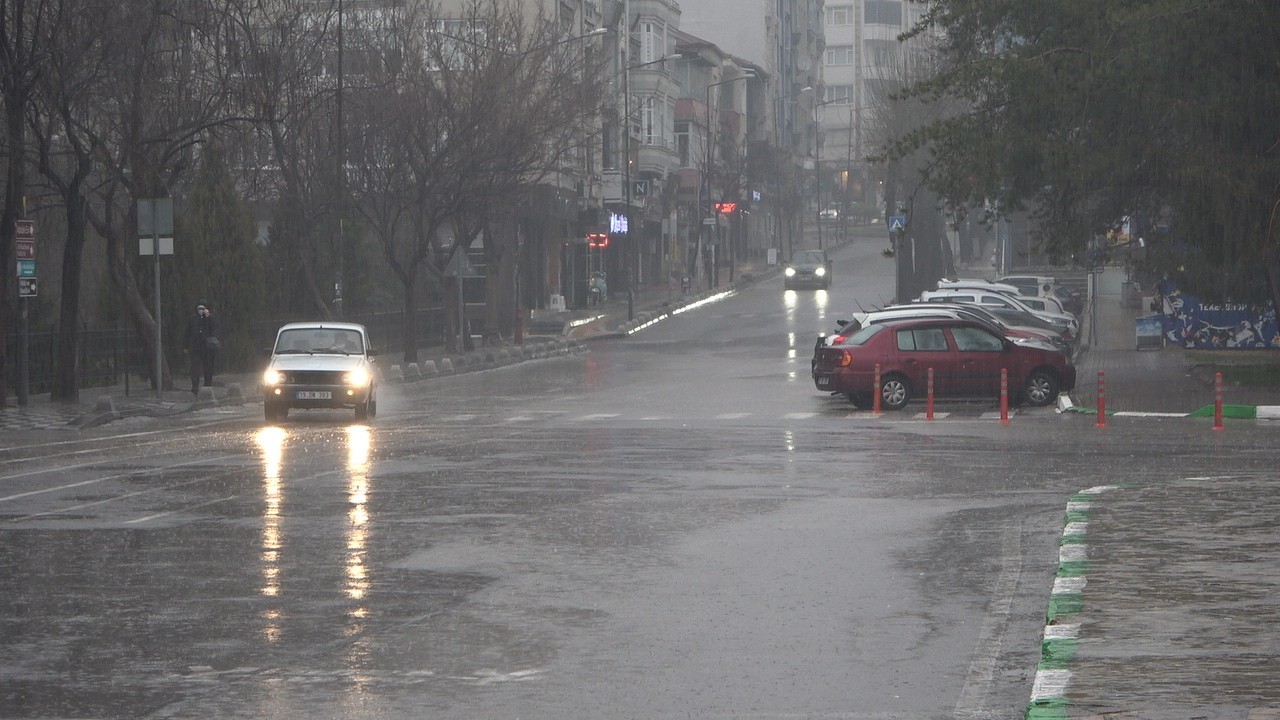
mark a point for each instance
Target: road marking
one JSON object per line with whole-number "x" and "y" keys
{"x": 732, "y": 416}
{"x": 179, "y": 510}
{"x": 798, "y": 416}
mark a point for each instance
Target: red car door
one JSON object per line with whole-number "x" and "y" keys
{"x": 922, "y": 348}
{"x": 980, "y": 357}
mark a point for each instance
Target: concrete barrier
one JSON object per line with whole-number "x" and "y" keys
{"x": 235, "y": 394}
{"x": 446, "y": 366}
{"x": 395, "y": 374}
{"x": 429, "y": 368}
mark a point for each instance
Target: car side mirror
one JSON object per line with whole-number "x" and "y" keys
{"x": 370, "y": 352}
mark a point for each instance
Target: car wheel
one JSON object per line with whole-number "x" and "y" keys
{"x": 894, "y": 392}
{"x": 1041, "y": 388}
{"x": 362, "y": 410}
{"x": 861, "y": 401}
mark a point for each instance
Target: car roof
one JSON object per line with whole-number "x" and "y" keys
{"x": 322, "y": 325}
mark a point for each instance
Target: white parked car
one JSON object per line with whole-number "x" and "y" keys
{"x": 983, "y": 297}
{"x": 320, "y": 365}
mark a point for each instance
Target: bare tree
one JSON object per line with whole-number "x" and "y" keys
{"x": 21, "y": 58}
{"x": 459, "y": 126}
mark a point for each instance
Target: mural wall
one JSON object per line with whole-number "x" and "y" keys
{"x": 1189, "y": 323}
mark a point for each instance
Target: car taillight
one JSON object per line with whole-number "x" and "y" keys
{"x": 845, "y": 359}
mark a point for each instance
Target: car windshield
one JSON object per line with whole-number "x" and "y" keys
{"x": 319, "y": 340}
{"x": 807, "y": 257}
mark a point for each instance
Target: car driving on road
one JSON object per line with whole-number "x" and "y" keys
{"x": 320, "y": 365}
{"x": 808, "y": 268}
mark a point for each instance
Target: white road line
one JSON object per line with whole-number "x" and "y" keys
{"x": 798, "y": 416}
{"x": 732, "y": 416}
{"x": 82, "y": 483}
{"x": 180, "y": 510}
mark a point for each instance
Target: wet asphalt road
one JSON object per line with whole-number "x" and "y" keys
{"x": 671, "y": 525}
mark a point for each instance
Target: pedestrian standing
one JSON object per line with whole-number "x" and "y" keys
{"x": 202, "y": 346}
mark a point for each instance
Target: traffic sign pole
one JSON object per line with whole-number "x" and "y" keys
{"x": 25, "y": 252}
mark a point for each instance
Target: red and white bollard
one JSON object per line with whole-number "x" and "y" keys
{"x": 1102, "y": 399}
{"x": 1217, "y": 401}
{"x": 928, "y": 398}
{"x": 1004, "y": 396}
{"x": 875, "y": 400}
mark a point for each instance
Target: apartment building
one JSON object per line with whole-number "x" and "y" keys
{"x": 863, "y": 64}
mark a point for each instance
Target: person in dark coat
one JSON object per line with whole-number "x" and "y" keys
{"x": 202, "y": 346}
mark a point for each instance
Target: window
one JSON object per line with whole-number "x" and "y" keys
{"x": 653, "y": 41}
{"x": 838, "y": 95}
{"x": 839, "y": 55}
{"x": 971, "y": 339}
{"x": 884, "y": 53}
{"x": 883, "y": 12}
{"x": 924, "y": 339}
{"x": 682, "y": 143}
{"x": 840, "y": 15}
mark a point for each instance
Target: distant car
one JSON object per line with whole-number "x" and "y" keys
{"x": 966, "y": 356}
{"x": 829, "y": 215}
{"x": 808, "y": 268}
{"x": 320, "y": 365}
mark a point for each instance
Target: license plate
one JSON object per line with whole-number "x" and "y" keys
{"x": 315, "y": 395}
{"x": 823, "y": 381}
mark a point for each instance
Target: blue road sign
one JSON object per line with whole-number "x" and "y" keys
{"x": 897, "y": 223}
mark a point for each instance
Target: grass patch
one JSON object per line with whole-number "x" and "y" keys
{"x": 1250, "y": 368}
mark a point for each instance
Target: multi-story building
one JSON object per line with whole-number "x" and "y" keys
{"x": 784, "y": 39}
{"x": 864, "y": 63}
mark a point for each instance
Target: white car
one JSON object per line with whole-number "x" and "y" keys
{"x": 320, "y": 365}
{"x": 1033, "y": 285}
{"x": 983, "y": 297}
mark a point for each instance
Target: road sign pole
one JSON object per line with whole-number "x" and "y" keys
{"x": 26, "y": 251}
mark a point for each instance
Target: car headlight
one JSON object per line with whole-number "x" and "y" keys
{"x": 358, "y": 377}
{"x": 789, "y": 272}
{"x": 272, "y": 377}
{"x": 820, "y": 272}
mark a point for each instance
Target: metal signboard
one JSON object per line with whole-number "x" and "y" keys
{"x": 25, "y": 249}
{"x": 26, "y": 268}
{"x": 155, "y": 217}
{"x": 26, "y": 287}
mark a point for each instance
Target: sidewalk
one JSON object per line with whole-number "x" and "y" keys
{"x": 1156, "y": 381}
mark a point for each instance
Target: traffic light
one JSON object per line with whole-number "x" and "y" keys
{"x": 597, "y": 240}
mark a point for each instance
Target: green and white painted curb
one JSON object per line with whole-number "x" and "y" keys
{"x": 1233, "y": 412}
{"x": 1061, "y": 631}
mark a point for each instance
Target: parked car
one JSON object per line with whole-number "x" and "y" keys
{"x": 1008, "y": 327}
{"x": 1033, "y": 285}
{"x": 1072, "y": 301}
{"x": 320, "y": 365}
{"x": 808, "y": 268}
{"x": 829, "y": 215}
{"x": 995, "y": 299}
{"x": 966, "y": 356}
{"x": 1043, "y": 304}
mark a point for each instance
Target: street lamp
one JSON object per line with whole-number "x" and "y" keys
{"x": 706, "y": 182}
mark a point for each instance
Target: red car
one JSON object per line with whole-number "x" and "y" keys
{"x": 966, "y": 356}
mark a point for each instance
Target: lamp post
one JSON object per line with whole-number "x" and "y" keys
{"x": 706, "y": 181}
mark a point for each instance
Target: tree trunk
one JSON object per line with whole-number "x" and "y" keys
{"x": 410, "y": 328}
{"x": 66, "y": 379}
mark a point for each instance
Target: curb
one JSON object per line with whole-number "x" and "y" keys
{"x": 1062, "y": 628}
